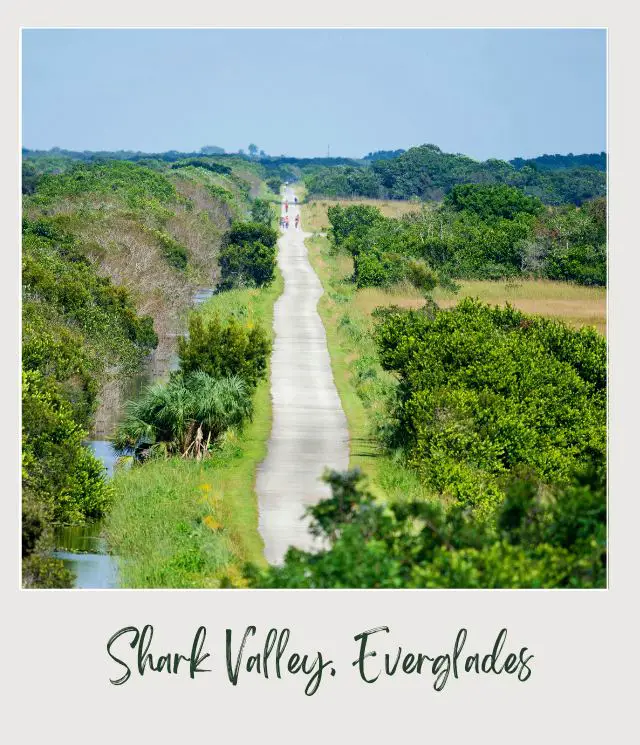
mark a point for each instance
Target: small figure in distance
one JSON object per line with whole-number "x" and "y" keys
{"x": 295, "y": 199}
{"x": 286, "y": 222}
{"x": 286, "y": 206}
{"x": 297, "y": 221}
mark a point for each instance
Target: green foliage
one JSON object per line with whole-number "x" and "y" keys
{"x": 139, "y": 187}
{"x": 248, "y": 256}
{"x": 492, "y": 201}
{"x": 30, "y": 177}
{"x": 174, "y": 252}
{"x": 58, "y": 276}
{"x": 45, "y": 572}
{"x": 352, "y": 222}
{"x": 484, "y": 391}
{"x": 252, "y": 232}
{"x": 225, "y": 348}
{"x": 185, "y": 416}
{"x": 561, "y": 162}
{"x": 481, "y": 232}
{"x": 262, "y": 212}
{"x": 586, "y": 265}
{"x": 61, "y": 479}
{"x": 275, "y": 184}
{"x": 538, "y": 539}
{"x": 75, "y": 325}
{"x": 428, "y": 173}
{"x": 208, "y": 165}
{"x": 343, "y": 181}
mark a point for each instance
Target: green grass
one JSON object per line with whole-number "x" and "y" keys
{"x": 181, "y": 523}
{"x": 361, "y": 382}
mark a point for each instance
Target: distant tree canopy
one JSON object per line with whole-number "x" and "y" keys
{"x": 428, "y": 173}
{"x": 383, "y": 154}
{"x": 559, "y": 162}
{"x": 491, "y": 202}
{"x": 212, "y": 150}
{"x": 206, "y": 164}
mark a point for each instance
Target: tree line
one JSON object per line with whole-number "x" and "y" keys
{"x": 427, "y": 173}
{"x": 478, "y": 232}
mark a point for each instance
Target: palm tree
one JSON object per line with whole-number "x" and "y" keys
{"x": 184, "y": 416}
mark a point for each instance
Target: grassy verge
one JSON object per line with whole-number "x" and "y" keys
{"x": 361, "y": 382}
{"x": 179, "y": 523}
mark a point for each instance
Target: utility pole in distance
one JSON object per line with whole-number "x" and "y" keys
{"x": 328, "y": 151}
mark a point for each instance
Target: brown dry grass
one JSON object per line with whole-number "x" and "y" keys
{"x": 123, "y": 249}
{"x": 576, "y": 305}
{"x": 314, "y": 212}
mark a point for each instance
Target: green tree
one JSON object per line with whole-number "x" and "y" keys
{"x": 262, "y": 212}
{"x": 539, "y": 539}
{"x": 248, "y": 255}
{"x": 484, "y": 391}
{"x": 225, "y": 348}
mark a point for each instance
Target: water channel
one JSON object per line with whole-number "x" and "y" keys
{"x": 83, "y": 548}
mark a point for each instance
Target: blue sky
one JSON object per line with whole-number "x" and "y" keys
{"x": 485, "y": 93}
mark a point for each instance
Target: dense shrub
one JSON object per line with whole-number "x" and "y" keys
{"x": 353, "y": 221}
{"x": 174, "y": 252}
{"x": 484, "y": 391}
{"x": 248, "y": 256}
{"x": 492, "y": 201}
{"x": 481, "y": 232}
{"x": 225, "y": 348}
{"x": 140, "y": 187}
{"x": 206, "y": 164}
{"x": 45, "y": 572}
{"x": 262, "y": 212}
{"x": 550, "y": 538}
{"x": 275, "y": 184}
{"x": 344, "y": 181}
{"x": 61, "y": 479}
{"x": 251, "y": 232}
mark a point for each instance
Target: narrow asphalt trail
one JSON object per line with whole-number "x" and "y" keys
{"x": 309, "y": 430}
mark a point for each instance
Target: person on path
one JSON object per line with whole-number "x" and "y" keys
{"x": 286, "y": 222}
{"x": 295, "y": 200}
{"x": 286, "y": 207}
{"x": 297, "y": 221}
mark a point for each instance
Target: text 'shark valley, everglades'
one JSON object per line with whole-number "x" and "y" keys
{"x": 273, "y": 656}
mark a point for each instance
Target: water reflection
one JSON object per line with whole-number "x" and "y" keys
{"x": 83, "y": 548}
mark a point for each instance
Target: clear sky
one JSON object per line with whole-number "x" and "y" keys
{"x": 493, "y": 93}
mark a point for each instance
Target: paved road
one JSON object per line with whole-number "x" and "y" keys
{"x": 309, "y": 430}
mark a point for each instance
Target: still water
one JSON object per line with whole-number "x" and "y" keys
{"x": 83, "y": 548}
